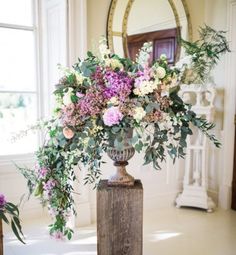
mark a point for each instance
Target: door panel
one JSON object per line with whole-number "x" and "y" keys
{"x": 164, "y": 42}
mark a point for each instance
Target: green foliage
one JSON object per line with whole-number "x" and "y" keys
{"x": 205, "y": 54}
{"x": 10, "y": 215}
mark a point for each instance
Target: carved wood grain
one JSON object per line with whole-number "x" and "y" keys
{"x": 120, "y": 219}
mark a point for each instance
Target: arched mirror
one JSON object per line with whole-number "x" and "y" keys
{"x": 130, "y": 23}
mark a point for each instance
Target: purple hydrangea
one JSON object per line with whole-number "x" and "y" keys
{"x": 118, "y": 84}
{"x": 2, "y": 201}
{"x": 112, "y": 116}
{"x": 92, "y": 103}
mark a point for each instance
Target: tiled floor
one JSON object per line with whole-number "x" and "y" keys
{"x": 166, "y": 232}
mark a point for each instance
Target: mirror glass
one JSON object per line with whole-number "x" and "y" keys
{"x": 132, "y": 22}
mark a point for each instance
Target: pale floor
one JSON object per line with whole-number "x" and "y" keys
{"x": 166, "y": 232}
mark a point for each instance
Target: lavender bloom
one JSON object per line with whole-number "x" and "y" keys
{"x": 112, "y": 116}
{"x": 118, "y": 84}
{"x": 2, "y": 201}
{"x": 142, "y": 76}
{"x": 58, "y": 235}
{"x": 42, "y": 172}
{"x": 53, "y": 211}
{"x": 48, "y": 186}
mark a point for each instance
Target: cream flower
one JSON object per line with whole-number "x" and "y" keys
{"x": 139, "y": 113}
{"x": 113, "y": 63}
{"x": 104, "y": 51}
{"x": 113, "y": 101}
{"x": 79, "y": 77}
{"x": 145, "y": 87}
{"x": 160, "y": 72}
{"x": 67, "y": 97}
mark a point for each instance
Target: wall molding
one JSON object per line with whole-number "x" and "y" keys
{"x": 229, "y": 112}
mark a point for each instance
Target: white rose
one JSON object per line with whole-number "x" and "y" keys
{"x": 139, "y": 113}
{"x": 67, "y": 97}
{"x": 161, "y": 72}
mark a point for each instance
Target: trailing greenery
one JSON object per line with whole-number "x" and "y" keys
{"x": 204, "y": 53}
{"x": 9, "y": 213}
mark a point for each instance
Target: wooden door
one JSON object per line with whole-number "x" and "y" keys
{"x": 164, "y": 42}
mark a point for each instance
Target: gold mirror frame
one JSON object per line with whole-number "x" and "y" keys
{"x": 123, "y": 34}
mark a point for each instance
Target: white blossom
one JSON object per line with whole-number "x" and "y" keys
{"x": 113, "y": 63}
{"x": 160, "y": 72}
{"x": 67, "y": 97}
{"x": 139, "y": 113}
{"x": 145, "y": 87}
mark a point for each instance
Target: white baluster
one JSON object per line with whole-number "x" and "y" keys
{"x": 196, "y": 163}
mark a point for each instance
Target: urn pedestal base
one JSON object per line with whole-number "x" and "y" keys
{"x": 121, "y": 177}
{"x": 120, "y": 219}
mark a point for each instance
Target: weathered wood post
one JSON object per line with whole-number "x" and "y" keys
{"x": 1, "y": 238}
{"x": 120, "y": 219}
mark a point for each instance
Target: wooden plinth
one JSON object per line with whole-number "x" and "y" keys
{"x": 120, "y": 219}
{"x": 1, "y": 238}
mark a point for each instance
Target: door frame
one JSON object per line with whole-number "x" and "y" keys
{"x": 225, "y": 189}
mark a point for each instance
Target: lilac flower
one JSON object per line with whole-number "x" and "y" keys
{"x": 48, "y": 186}
{"x": 42, "y": 172}
{"x": 52, "y": 211}
{"x": 59, "y": 235}
{"x": 142, "y": 76}
{"x": 112, "y": 116}
{"x": 118, "y": 84}
{"x": 2, "y": 201}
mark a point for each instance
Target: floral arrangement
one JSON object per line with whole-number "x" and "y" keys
{"x": 97, "y": 102}
{"x": 9, "y": 213}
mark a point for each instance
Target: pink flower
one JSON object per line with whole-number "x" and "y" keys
{"x": 112, "y": 116}
{"x": 2, "y": 201}
{"x": 58, "y": 235}
{"x": 43, "y": 172}
{"x": 68, "y": 133}
{"x": 79, "y": 95}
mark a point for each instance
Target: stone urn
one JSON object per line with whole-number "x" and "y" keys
{"x": 120, "y": 158}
